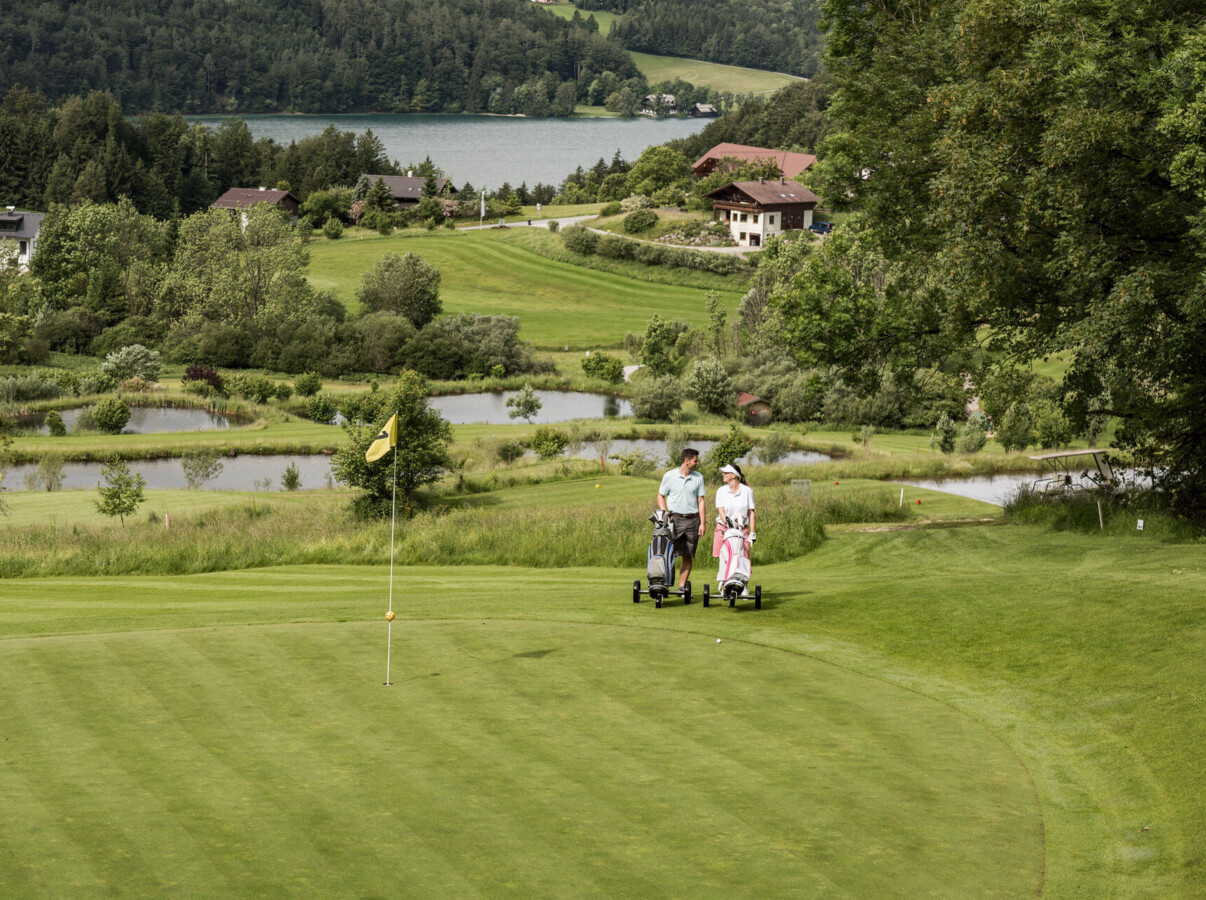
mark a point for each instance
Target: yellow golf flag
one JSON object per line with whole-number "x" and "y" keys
{"x": 386, "y": 439}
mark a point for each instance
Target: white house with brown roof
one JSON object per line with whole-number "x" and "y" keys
{"x": 19, "y": 236}
{"x": 756, "y": 210}
{"x": 790, "y": 164}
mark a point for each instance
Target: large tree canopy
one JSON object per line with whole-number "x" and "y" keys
{"x": 1033, "y": 173}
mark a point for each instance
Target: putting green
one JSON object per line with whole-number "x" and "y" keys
{"x": 510, "y": 758}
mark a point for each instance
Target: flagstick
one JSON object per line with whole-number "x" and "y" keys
{"x": 389, "y": 629}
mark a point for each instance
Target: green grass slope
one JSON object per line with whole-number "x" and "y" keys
{"x": 874, "y": 730}
{"x": 483, "y": 272}
{"x": 725, "y": 79}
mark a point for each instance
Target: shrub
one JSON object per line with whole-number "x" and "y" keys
{"x": 28, "y": 387}
{"x": 402, "y": 283}
{"x": 291, "y": 480}
{"x": 971, "y": 438}
{"x": 134, "y": 330}
{"x": 206, "y": 374}
{"x": 137, "y": 385}
{"x": 200, "y": 465}
{"x": 284, "y": 391}
{"x": 657, "y": 399}
{"x": 200, "y": 389}
{"x": 634, "y": 202}
{"x": 611, "y": 209}
{"x": 333, "y": 229}
{"x": 613, "y": 246}
{"x": 549, "y": 442}
{"x": 307, "y": 385}
{"x": 641, "y": 220}
{"x": 636, "y": 462}
{"x": 256, "y": 388}
{"x": 604, "y": 367}
{"x": 319, "y": 408}
{"x": 709, "y": 385}
{"x": 734, "y": 445}
{"x": 54, "y": 424}
{"x": 1015, "y": 431}
{"x": 111, "y": 415}
{"x": 580, "y": 239}
{"x": 130, "y": 361}
{"x": 508, "y": 451}
{"x": 773, "y": 446}
{"x": 97, "y": 383}
{"x": 1051, "y": 426}
{"x": 669, "y": 196}
{"x": 554, "y": 226}
{"x": 946, "y": 433}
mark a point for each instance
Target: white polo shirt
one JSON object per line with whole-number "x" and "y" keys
{"x": 735, "y": 504}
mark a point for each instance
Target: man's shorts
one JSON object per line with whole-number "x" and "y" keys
{"x": 684, "y": 531}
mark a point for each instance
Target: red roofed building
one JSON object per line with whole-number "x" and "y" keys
{"x": 755, "y": 210}
{"x": 755, "y": 410}
{"x": 242, "y": 199}
{"x": 790, "y": 164}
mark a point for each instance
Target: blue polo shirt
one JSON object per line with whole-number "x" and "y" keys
{"x": 682, "y": 494}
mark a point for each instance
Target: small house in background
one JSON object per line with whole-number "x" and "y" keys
{"x": 703, "y": 111}
{"x": 754, "y": 410}
{"x": 19, "y": 230}
{"x": 666, "y": 100}
{"x": 756, "y": 210}
{"x": 790, "y": 164}
{"x": 407, "y": 190}
{"x": 242, "y": 199}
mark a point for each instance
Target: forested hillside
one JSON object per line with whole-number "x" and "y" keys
{"x": 197, "y": 56}
{"x": 778, "y": 35}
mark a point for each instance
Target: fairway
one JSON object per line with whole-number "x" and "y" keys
{"x": 508, "y": 759}
{"x": 557, "y": 304}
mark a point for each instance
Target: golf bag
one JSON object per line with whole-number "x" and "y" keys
{"x": 734, "y": 571}
{"x": 660, "y": 570}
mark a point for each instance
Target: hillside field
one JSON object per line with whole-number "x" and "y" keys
{"x": 558, "y": 305}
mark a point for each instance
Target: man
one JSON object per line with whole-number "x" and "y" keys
{"x": 682, "y": 495}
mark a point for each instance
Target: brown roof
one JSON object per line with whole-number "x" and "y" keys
{"x": 745, "y": 398}
{"x": 406, "y": 187}
{"x": 790, "y": 164}
{"x": 769, "y": 193}
{"x": 245, "y": 198}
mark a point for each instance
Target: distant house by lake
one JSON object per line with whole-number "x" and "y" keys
{"x": 407, "y": 190}
{"x": 667, "y": 101}
{"x": 19, "y": 231}
{"x": 703, "y": 111}
{"x": 242, "y": 199}
{"x": 756, "y": 210}
{"x": 790, "y": 164}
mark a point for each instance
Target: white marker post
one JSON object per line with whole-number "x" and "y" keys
{"x": 389, "y": 616}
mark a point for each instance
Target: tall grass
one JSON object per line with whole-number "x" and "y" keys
{"x": 1118, "y": 517}
{"x": 262, "y": 534}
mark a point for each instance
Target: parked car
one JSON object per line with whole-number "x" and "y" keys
{"x": 821, "y": 227}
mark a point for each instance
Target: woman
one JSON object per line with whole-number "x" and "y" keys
{"x": 734, "y": 498}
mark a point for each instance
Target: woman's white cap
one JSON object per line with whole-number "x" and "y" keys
{"x": 729, "y": 469}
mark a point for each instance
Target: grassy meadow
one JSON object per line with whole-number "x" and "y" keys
{"x": 725, "y": 79}
{"x": 558, "y": 304}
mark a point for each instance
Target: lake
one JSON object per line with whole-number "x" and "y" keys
{"x": 143, "y": 420}
{"x": 488, "y": 150}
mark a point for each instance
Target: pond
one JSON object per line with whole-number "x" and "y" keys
{"x": 239, "y": 473}
{"x": 558, "y": 406}
{"x": 995, "y": 489}
{"x": 143, "y": 420}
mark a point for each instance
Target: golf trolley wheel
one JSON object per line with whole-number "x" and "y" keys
{"x": 707, "y": 595}
{"x": 732, "y": 600}
{"x": 636, "y": 592}
{"x": 657, "y": 601}
{"x": 686, "y": 593}
{"x": 757, "y": 596}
